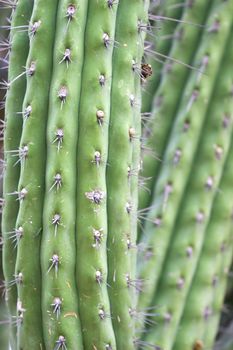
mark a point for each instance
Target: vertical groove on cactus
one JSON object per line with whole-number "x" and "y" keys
{"x": 204, "y": 301}
{"x": 193, "y": 217}
{"x": 92, "y": 231}
{"x": 186, "y": 131}
{"x": 167, "y": 100}
{"x": 18, "y": 44}
{"x": 59, "y": 295}
{"x": 31, "y": 183}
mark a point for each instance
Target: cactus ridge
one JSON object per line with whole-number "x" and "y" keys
{"x": 162, "y": 35}
{"x": 165, "y": 103}
{"x": 184, "y": 138}
{"x": 194, "y": 214}
{"x": 19, "y": 43}
{"x": 31, "y": 181}
{"x": 206, "y": 294}
{"x": 123, "y": 155}
{"x": 92, "y": 230}
{"x": 59, "y": 293}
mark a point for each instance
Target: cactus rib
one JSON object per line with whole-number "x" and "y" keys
{"x": 92, "y": 269}
{"x": 19, "y": 44}
{"x": 184, "y": 139}
{"x": 194, "y": 214}
{"x": 31, "y": 182}
{"x": 59, "y": 295}
{"x": 166, "y": 103}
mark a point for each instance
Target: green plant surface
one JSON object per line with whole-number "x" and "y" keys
{"x": 19, "y": 44}
{"x": 162, "y": 34}
{"x": 169, "y": 94}
{"x": 30, "y": 193}
{"x": 59, "y": 293}
{"x": 204, "y": 302}
{"x": 184, "y": 138}
{"x": 194, "y": 214}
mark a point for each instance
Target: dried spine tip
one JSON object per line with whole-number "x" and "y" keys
{"x": 102, "y": 80}
{"x": 27, "y": 112}
{"x": 98, "y": 235}
{"x": 22, "y": 194}
{"x": 54, "y": 263}
{"x": 209, "y": 183}
{"x": 62, "y": 93}
{"x": 177, "y": 156}
{"x": 98, "y": 277}
{"x": 132, "y": 133}
{"x": 35, "y": 27}
{"x": 200, "y": 217}
{"x": 57, "y": 303}
{"x": 32, "y": 68}
{"x": 97, "y": 158}
{"x": 57, "y": 181}
{"x": 218, "y": 151}
{"x": 102, "y": 314}
{"x": 100, "y": 117}
{"x": 106, "y": 40}
{"x": 95, "y": 196}
{"x": 61, "y": 343}
{"x": 180, "y": 283}
{"x": 128, "y": 207}
{"x": 66, "y": 56}
{"x": 59, "y": 138}
{"x": 146, "y": 70}
{"x": 71, "y": 9}
{"x": 20, "y": 310}
{"x": 189, "y": 251}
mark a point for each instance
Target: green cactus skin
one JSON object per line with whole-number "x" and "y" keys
{"x": 59, "y": 304}
{"x": 194, "y": 214}
{"x": 122, "y": 137}
{"x": 19, "y": 44}
{"x": 162, "y": 37}
{"x": 165, "y": 103}
{"x": 204, "y": 302}
{"x": 94, "y": 112}
{"x": 184, "y": 138}
{"x": 32, "y": 159}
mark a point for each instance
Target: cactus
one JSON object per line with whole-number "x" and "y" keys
{"x": 62, "y": 276}
{"x": 76, "y": 274}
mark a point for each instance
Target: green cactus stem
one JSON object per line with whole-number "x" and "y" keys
{"x": 60, "y": 305}
{"x": 180, "y": 152}
{"x": 19, "y": 43}
{"x": 123, "y": 138}
{"x": 162, "y": 33}
{"x": 204, "y": 302}
{"x": 94, "y": 114}
{"x": 194, "y": 214}
{"x": 30, "y": 193}
{"x": 166, "y": 100}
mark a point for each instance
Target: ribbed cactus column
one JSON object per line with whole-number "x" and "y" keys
{"x": 181, "y": 148}
{"x": 166, "y": 100}
{"x": 92, "y": 231}
{"x": 31, "y": 156}
{"x": 19, "y": 43}
{"x": 161, "y": 34}
{"x": 61, "y": 318}
{"x": 123, "y": 138}
{"x": 194, "y": 213}
{"x": 204, "y": 302}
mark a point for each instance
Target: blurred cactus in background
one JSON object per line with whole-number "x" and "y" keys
{"x": 117, "y": 186}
